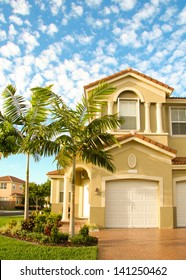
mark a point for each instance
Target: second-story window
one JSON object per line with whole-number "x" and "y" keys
{"x": 129, "y": 110}
{"x": 3, "y": 186}
{"x": 178, "y": 121}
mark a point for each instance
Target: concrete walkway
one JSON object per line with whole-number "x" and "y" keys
{"x": 141, "y": 244}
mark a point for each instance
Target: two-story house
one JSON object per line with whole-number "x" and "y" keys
{"x": 149, "y": 187}
{"x": 11, "y": 192}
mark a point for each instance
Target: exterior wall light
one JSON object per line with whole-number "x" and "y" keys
{"x": 96, "y": 192}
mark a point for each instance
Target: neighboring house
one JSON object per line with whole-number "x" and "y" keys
{"x": 148, "y": 189}
{"x": 11, "y": 192}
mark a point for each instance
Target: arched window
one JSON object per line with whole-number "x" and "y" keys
{"x": 129, "y": 109}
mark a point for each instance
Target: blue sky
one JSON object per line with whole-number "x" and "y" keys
{"x": 72, "y": 43}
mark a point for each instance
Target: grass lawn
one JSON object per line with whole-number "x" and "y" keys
{"x": 12, "y": 249}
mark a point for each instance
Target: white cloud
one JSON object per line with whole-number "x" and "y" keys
{"x": 69, "y": 39}
{"x": 77, "y": 10}
{"x": 166, "y": 28}
{"x": 51, "y": 29}
{"x": 111, "y": 48}
{"x": 40, "y": 4}
{"x": 48, "y": 56}
{"x": 126, "y": 4}
{"x": 10, "y": 50}
{"x": 93, "y": 3}
{"x": 3, "y": 36}
{"x": 5, "y": 63}
{"x": 84, "y": 39}
{"x": 147, "y": 12}
{"x": 129, "y": 37}
{"x": 12, "y": 31}
{"x": 109, "y": 10}
{"x": 182, "y": 17}
{"x": 177, "y": 54}
{"x": 169, "y": 13}
{"x": 29, "y": 40}
{"x": 159, "y": 56}
{"x": 97, "y": 23}
{"x": 150, "y": 48}
{"x": 2, "y": 18}
{"x": 56, "y": 6}
{"x": 21, "y": 7}
{"x": 152, "y": 35}
{"x": 16, "y": 19}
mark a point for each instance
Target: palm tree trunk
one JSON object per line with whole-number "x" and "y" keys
{"x": 72, "y": 204}
{"x": 26, "y": 210}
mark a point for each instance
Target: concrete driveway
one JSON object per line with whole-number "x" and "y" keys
{"x": 141, "y": 244}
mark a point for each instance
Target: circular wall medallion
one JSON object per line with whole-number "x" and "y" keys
{"x": 132, "y": 160}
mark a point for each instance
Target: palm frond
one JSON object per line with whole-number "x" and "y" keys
{"x": 40, "y": 100}
{"x": 14, "y": 106}
{"x": 100, "y": 93}
{"x": 99, "y": 158}
{"x": 105, "y": 123}
{"x": 64, "y": 157}
{"x": 91, "y": 105}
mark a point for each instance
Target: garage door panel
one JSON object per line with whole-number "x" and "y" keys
{"x": 181, "y": 203}
{"x": 131, "y": 203}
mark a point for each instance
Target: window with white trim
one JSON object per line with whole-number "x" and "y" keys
{"x": 3, "y": 186}
{"x": 178, "y": 121}
{"x": 129, "y": 110}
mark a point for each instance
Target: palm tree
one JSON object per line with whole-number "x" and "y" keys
{"x": 83, "y": 135}
{"x": 28, "y": 119}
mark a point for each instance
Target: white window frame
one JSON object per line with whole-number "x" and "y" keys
{"x": 3, "y": 186}
{"x": 170, "y": 117}
{"x": 137, "y": 112}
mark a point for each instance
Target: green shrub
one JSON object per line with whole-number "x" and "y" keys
{"x": 12, "y": 223}
{"x": 40, "y": 222}
{"x": 84, "y": 231}
{"x": 87, "y": 240}
{"x": 28, "y": 224}
{"x": 58, "y": 237}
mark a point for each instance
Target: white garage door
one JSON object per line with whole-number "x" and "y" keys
{"x": 181, "y": 203}
{"x": 131, "y": 203}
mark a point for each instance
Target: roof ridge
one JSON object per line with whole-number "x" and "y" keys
{"x": 11, "y": 179}
{"x": 128, "y": 70}
{"x": 147, "y": 139}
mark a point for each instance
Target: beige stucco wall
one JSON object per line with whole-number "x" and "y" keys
{"x": 10, "y": 190}
{"x": 178, "y": 143}
{"x": 149, "y": 91}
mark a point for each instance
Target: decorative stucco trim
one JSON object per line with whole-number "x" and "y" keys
{"x": 79, "y": 165}
{"x": 134, "y": 90}
{"x": 150, "y": 143}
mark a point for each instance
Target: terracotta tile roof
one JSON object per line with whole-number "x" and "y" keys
{"x": 128, "y": 70}
{"x": 11, "y": 179}
{"x": 176, "y": 97}
{"x": 56, "y": 172}
{"x": 179, "y": 161}
{"x": 147, "y": 139}
{"x": 17, "y": 194}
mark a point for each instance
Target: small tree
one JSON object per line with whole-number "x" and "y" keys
{"x": 27, "y": 120}
{"x": 39, "y": 193}
{"x": 10, "y": 140}
{"x": 83, "y": 135}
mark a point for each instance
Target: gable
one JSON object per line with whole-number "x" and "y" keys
{"x": 147, "y": 143}
{"x": 146, "y": 88}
